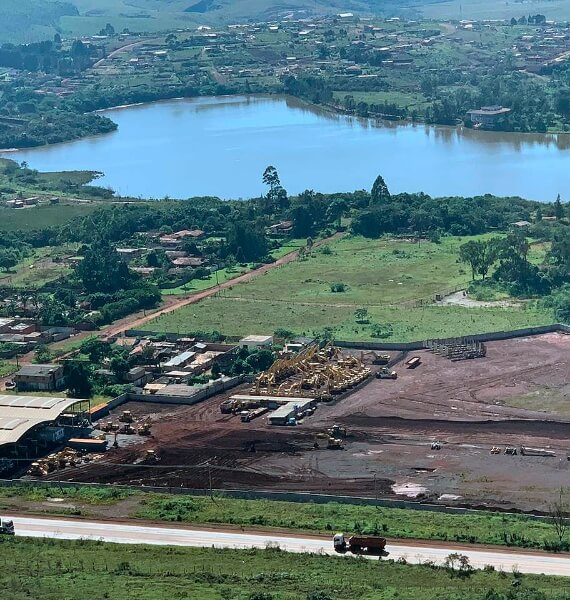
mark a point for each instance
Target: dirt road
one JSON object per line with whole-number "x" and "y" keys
{"x": 176, "y": 303}
{"x": 172, "y": 303}
{"x": 118, "y": 51}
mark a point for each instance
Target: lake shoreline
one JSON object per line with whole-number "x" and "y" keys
{"x": 180, "y": 147}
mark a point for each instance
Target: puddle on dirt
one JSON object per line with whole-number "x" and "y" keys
{"x": 411, "y": 490}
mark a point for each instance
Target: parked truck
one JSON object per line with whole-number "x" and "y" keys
{"x": 413, "y": 362}
{"x": 7, "y": 527}
{"x": 386, "y": 373}
{"x": 359, "y": 543}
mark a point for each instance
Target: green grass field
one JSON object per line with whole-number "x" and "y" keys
{"x": 38, "y": 269}
{"x": 396, "y": 523}
{"x": 55, "y": 570}
{"x": 491, "y": 528}
{"x": 42, "y": 217}
{"x": 394, "y": 280}
{"x": 7, "y": 368}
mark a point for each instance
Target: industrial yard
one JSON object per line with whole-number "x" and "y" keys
{"x": 426, "y": 435}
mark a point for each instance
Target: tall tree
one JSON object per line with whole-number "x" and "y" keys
{"x": 77, "y": 378}
{"x": 558, "y": 208}
{"x": 102, "y": 270}
{"x": 246, "y": 242}
{"x": 380, "y": 192}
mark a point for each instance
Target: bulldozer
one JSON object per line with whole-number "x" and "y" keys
{"x": 126, "y": 417}
{"x": 150, "y": 457}
{"x": 144, "y": 428}
{"x": 127, "y": 429}
{"x": 334, "y": 444}
{"x": 337, "y": 431}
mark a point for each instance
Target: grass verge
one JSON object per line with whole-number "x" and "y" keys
{"x": 486, "y": 528}
{"x": 54, "y": 569}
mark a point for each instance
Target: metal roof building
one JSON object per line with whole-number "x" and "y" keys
{"x": 180, "y": 360}
{"x": 20, "y": 414}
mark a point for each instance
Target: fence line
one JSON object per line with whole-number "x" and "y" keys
{"x": 294, "y": 497}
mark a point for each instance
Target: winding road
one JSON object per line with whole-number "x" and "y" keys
{"x": 412, "y": 552}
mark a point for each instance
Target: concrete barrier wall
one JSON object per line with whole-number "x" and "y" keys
{"x": 404, "y": 346}
{"x": 480, "y": 337}
{"x": 192, "y": 398}
{"x": 299, "y": 497}
{"x": 198, "y": 396}
{"x": 109, "y": 406}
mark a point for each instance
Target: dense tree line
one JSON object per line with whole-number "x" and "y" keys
{"x": 237, "y": 231}
{"x": 49, "y": 57}
{"x": 29, "y": 119}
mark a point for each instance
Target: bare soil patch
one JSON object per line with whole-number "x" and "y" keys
{"x": 470, "y": 406}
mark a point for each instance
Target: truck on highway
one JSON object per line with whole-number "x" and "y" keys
{"x": 6, "y": 526}
{"x": 359, "y": 544}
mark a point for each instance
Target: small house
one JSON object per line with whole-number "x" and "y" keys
{"x": 47, "y": 378}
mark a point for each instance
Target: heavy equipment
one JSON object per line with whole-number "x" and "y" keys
{"x": 337, "y": 431}
{"x": 526, "y": 451}
{"x": 413, "y": 362}
{"x": 7, "y": 526}
{"x": 334, "y": 444}
{"x": 495, "y": 450}
{"x": 511, "y": 450}
{"x": 436, "y": 445}
{"x": 150, "y": 457}
{"x": 385, "y": 373}
{"x": 127, "y": 429}
{"x": 248, "y": 415}
{"x": 359, "y": 543}
{"x": 144, "y": 427}
{"x": 126, "y": 417}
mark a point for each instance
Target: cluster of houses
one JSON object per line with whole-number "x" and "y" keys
{"x": 173, "y": 246}
{"x": 164, "y": 367}
{"x": 29, "y": 202}
{"x": 18, "y": 336}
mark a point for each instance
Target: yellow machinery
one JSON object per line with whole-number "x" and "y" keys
{"x": 337, "y": 431}
{"x": 144, "y": 427}
{"x": 126, "y": 417}
{"x": 334, "y": 444}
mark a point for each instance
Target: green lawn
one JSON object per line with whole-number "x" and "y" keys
{"x": 38, "y": 269}
{"x": 394, "y": 280}
{"x": 55, "y": 570}
{"x": 42, "y": 217}
{"x": 198, "y": 285}
{"x": 7, "y": 368}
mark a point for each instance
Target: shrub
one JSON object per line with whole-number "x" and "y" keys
{"x": 338, "y": 287}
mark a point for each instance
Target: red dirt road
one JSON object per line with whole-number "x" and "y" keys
{"x": 176, "y": 303}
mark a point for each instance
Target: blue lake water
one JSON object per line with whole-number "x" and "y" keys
{"x": 220, "y": 147}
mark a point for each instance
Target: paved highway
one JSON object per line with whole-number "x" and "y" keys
{"x": 525, "y": 562}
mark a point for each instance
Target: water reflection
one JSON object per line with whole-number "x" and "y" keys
{"x": 220, "y": 146}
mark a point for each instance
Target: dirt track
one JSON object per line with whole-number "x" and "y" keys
{"x": 170, "y": 304}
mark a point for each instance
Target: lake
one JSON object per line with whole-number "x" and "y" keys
{"x": 221, "y": 146}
